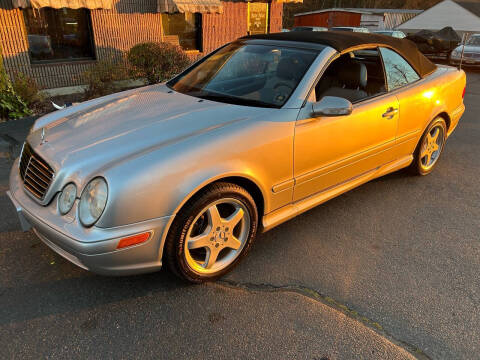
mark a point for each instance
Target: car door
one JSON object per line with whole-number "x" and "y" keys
{"x": 414, "y": 105}
{"x": 330, "y": 151}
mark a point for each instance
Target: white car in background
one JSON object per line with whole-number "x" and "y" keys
{"x": 393, "y": 33}
{"x": 309, "y": 28}
{"x": 350, "y": 28}
{"x": 471, "y": 52}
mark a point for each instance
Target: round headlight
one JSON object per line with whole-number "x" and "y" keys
{"x": 93, "y": 201}
{"x": 67, "y": 198}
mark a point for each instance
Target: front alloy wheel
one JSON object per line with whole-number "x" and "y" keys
{"x": 217, "y": 236}
{"x": 212, "y": 233}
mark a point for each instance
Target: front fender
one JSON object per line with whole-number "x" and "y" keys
{"x": 150, "y": 199}
{"x": 160, "y": 182}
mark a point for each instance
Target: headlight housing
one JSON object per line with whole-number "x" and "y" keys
{"x": 67, "y": 198}
{"x": 93, "y": 201}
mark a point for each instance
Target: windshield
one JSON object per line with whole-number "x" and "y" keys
{"x": 474, "y": 40}
{"x": 244, "y": 74}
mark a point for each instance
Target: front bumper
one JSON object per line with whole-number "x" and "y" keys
{"x": 466, "y": 62}
{"x": 92, "y": 248}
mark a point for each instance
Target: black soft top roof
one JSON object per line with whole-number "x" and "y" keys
{"x": 341, "y": 41}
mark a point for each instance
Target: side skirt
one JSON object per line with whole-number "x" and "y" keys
{"x": 290, "y": 211}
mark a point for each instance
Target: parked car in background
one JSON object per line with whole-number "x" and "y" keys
{"x": 259, "y": 131}
{"x": 350, "y": 28}
{"x": 309, "y": 28}
{"x": 471, "y": 52}
{"x": 393, "y": 33}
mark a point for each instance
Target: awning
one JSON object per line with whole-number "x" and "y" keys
{"x": 289, "y": 1}
{"x": 200, "y": 6}
{"x": 58, "y": 4}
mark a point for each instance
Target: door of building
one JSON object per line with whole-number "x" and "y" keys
{"x": 257, "y": 18}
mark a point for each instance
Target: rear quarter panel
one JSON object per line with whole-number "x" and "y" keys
{"x": 422, "y": 101}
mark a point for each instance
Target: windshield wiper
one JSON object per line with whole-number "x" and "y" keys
{"x": 231, "y": 99}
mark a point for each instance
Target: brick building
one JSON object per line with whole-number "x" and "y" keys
{"x": 55, "y": 41}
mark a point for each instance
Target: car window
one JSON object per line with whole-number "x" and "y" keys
{"x": 474, "y": 40}
{"x": 241, "y": 65}
{"x": 398, "y": 70}
{"x": 247, "y": 74}
{"x": 355, "y": 76}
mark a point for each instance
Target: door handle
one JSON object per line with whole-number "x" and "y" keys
{"x": 391, "y": 112}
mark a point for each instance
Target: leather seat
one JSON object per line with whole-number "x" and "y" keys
{"x": 353, "y": 77}
{"x": 290, "y": 68}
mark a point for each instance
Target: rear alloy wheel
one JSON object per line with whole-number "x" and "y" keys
{"x": 212, "y": 233}
{"x": 430, "y": 147}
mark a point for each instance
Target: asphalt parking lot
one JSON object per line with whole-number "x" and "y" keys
{"x": 390, "y": 270}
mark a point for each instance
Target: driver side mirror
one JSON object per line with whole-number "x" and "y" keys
{"x": 332, "y": 106}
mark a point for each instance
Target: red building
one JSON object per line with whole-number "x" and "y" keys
{"x": 373, "y": 19}
{"x": 329, "y": 18}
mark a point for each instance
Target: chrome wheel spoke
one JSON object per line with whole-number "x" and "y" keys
{"x": 428, "y": 159}
{"x": 424, "y": 152}
{"x": 211, "y": 258}
{"x": 214, "y": 215}
{"x": 235, "y": 218}
{"x": 199, "y": 241}
{"x": 434, "y": 137}
{"x": 429, "y": 139}
{"x": 233, "y": 243}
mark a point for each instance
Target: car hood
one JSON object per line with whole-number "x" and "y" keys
{"x": 99, "y": 133}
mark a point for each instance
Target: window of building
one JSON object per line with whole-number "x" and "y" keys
{"x": 398, "y": 70}
{"x": 187, "y": 27}
{"x": 59, "y": 35}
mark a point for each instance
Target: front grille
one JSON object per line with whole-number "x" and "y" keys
{"x": 35, "y": 172}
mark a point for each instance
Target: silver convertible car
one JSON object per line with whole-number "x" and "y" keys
{"x": 255, "y": 133}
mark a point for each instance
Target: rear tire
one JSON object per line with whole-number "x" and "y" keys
{"x": 212, "y": 233}
{"x": 429, "y": 148}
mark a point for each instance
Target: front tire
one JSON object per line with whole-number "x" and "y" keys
{"x": 212, "y": 233}
{"x": 429, "y": 148}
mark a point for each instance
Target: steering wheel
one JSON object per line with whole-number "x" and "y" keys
{"x": 281, "y": 91}
{"x": 290, "y": 87}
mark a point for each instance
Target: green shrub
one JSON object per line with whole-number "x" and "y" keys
{"x": 12, "y": 106}
{"x": 157, "y": 62}
{"x": 100, "y": 79}
{"x": 27, "y": 88}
